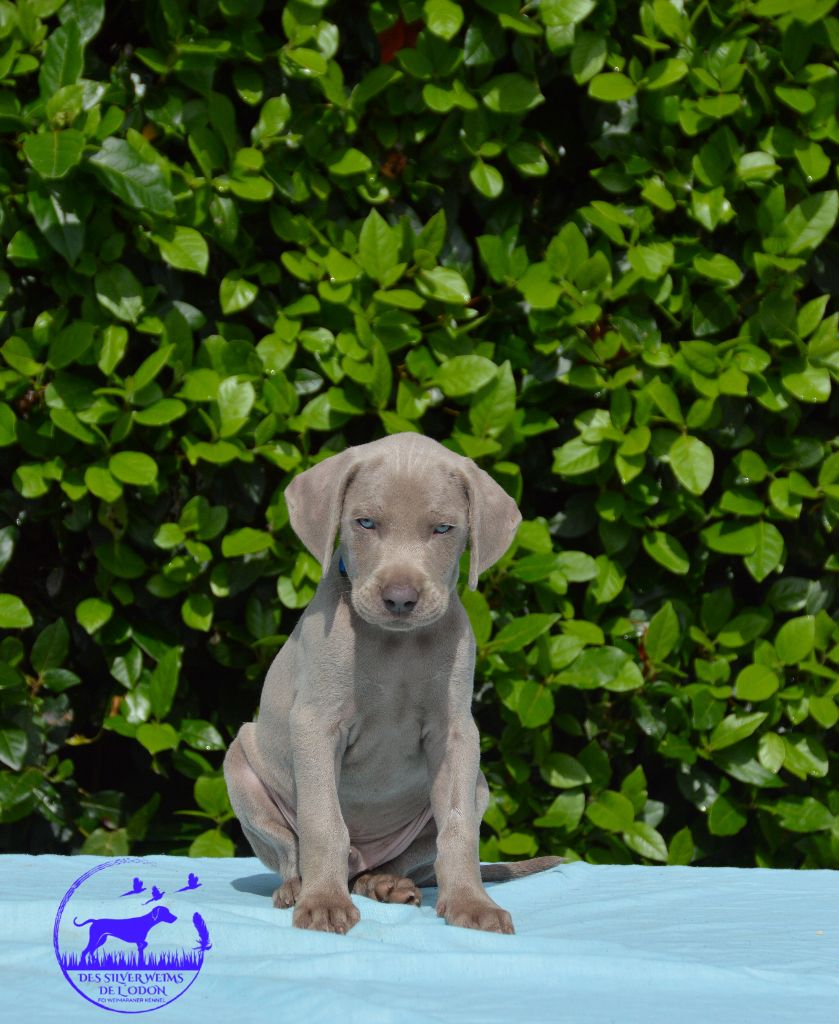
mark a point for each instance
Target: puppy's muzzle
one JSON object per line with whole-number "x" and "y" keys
{"x": 400, "y": 598}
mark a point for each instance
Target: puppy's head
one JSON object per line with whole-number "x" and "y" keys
{"x": 406, "y": 507}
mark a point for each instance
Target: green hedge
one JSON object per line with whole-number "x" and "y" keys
{"x": 583, "y": 242}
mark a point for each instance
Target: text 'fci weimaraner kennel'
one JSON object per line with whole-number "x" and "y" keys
{"x": 362, "y": 768}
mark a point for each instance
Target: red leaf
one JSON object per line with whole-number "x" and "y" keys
{"x": 398, "y": 37}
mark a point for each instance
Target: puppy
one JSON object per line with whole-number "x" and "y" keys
{"x": 362, "y": 770}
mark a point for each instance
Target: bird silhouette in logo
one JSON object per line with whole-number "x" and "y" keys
{"x": 191, "y": 883}
{"x": 156, "y": 895}
{"x": 137, "y": 888}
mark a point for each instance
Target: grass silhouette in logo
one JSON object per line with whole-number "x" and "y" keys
{"x": 172, "y": 960}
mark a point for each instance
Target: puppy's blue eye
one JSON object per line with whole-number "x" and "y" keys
{"x": 442, "y": 528}
{"x": 367, "y": 524}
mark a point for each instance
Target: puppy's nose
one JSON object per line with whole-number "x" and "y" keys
{"x": 399, "y": 597}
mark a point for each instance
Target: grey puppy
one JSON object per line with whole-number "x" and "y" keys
{"x": 363, "y": 764}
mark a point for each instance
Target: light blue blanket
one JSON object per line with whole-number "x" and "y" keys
{"x": 593, "y": 945}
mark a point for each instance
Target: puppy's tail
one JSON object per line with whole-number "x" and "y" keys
{"x": 81, "y": 924}
{"x": 518, "y": 868}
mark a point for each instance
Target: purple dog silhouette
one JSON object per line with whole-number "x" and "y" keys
{"x": 129, "y": 929}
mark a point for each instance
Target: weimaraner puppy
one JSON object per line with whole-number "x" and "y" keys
{"x": 363, "y": 763}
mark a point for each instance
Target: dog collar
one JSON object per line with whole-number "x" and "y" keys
{"x": 342, "y": 569}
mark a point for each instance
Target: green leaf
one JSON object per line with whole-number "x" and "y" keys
{"x": 522, "y": 632}
{"x": 805, "y": 757}
{"x": 183, "y": 248}
{"x": 200, "y": 734}
{"x": 662, "y": 635}
{"x": 718, "y": 268}
{"x": 131, "y": 179}
{"x": 564, "y": 13}
{"x": 646, "y": 841}
{"x": 63, "y": 60}
{"x": 771, "y": 751}
{"x": 730, "y": 538}
{"x": 273, "y": 117}
{"x": 444, "y": 285}
{"x": 576, "y": 457}
{"x": 197, "y": 612}
{"x": 532, "y": 702}
{"x": 235, "y": 401}
{"x": 212, "y": 843}
{"x": 588, "y": 56}
{"x": 667, "y": 551}
{"x": 156, "y": 737}
{"x": 211, "y": 796}
{"x": 487, "y": 179}
{"x": 119, "y": 291}
{"x": 121, "y": 560}
{"x": 651, "y": 261}
{"x": 611, "y": 811}
{"x": 308, "y": 63}
{"x": 808, "y": 224}
{"x": 92, "y": 613}
{"x": 164, "y": 683}
{"x": 235, "y": 293}
{"x": 734, "y": 728}
{"x": 802, "y": 814}
{"x": 528, "y": 160}
{"x": 511, "y": 94}
{"x": 768, "y": 551}
{"x": 682, "y": 848}
{"x": 150, "y": 368}
{"x": 51, "y": 646}
{"x": 563, "y": 771}
{"x": 724, "y": 818}
{"x": 607, "y": 667}
{"x": 351, "y": 161}
{"x": 806, "y": 382}
{"x": 443, "y": 18}
{"x": 13, "y": 746}
{"x": 53, "y": 154}
{"x": 106, "y": 843}
{"x": 464, "y": 375}
{"x": 13, "y": 613}
{"x": 796, "y": 639}
{"x": 693, "y": 463}
{"x": 378, "y": 248}
{"x": 165, "y": 411}
{"x": 245, "y": 541}
{"x": 100, "y": 482}
{"x": 611, "y": 87}
{"x": 564, "y": 812}
{"x": 665, "y": 73}
{"x": 756, "y": 683}
{"x": 719, "y": 106}
{"x": 133, "y": 468}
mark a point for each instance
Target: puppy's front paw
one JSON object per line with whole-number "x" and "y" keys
{"x": 286, "y": 895}
{"x": 332, "y": 913}
{"x": 478, "y": 912}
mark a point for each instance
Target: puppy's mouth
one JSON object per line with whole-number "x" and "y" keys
{"x": 426, "y": 613}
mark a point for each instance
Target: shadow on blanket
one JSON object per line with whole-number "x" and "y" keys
{"x": 259, "y": 885}
{"x": 264, "y": 885}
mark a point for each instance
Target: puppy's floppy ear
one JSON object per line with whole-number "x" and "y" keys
{"x": 493, "y": 520}
{"x": 315, "y": 499}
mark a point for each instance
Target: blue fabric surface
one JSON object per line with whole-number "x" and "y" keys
{"x": 593, "y": 944}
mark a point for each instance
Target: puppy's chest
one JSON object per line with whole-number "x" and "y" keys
{"x": 385, "y": 725}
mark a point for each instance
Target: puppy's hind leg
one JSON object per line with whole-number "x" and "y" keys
{"x": 398, "y": 880}
{"x": 264, "y": 826}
